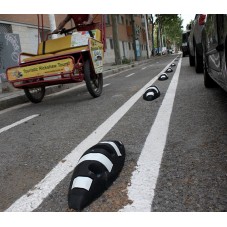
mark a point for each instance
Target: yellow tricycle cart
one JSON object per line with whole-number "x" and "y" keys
{"x": 74, "y": 57}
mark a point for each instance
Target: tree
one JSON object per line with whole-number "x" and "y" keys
{"x": 152, "y": 34}
{"x": 171, "y": 25}
{"x": 115, "y": 39}
{"x": 134, "y": 37}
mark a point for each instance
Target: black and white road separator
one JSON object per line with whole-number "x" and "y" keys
{"x": 96, "y": 170}
{"x": 151, "y": 93}
{"x": 172, "y": 65}
{"x": 163, "y": 76}
{"x": 169, "y": 70}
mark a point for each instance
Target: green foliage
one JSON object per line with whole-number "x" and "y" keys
{"x": 171, "y": 27}
{"x": 126, "y": 61}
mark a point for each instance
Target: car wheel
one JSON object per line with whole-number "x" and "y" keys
{"x": 191, "y": 60}
{"x": 208, "y": 81}
{"x": 198, "y": 61}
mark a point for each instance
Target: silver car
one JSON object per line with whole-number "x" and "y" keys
{"x": 195, "y": 43}
{"x": 214, "y": 36}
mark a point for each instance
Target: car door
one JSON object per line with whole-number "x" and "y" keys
{"x": 212, "y": 43}
{"x": 221, "y": 31}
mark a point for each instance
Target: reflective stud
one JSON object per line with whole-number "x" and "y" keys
{"x": 151, "y": 93}
{"x": 169, "y": 70}
{"x": 95, "y": 171}
{"x": 173, "y": 64}
{"x": 163, "y": 77}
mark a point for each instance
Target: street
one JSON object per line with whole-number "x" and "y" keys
{"x": 175, "y": 145}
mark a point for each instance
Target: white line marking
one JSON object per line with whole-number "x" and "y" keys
{"x": 18, "y": 123}
{"x": 14, "y": 108}
{"x": 143, "y": 68}
{"x": 34, "y": 197}
{"x": 130, "y": 75}
{"x": 144, "y": 178}
{"x": 105, "y": 85}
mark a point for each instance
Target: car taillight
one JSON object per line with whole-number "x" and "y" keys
{"x": 202, "y": 19}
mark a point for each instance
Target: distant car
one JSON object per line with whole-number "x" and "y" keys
{"x": 184, "y": 46}
{"x": 214, "y": 36}
{"x": 195, "y": 43}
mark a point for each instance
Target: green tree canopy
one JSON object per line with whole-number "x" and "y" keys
{"x": 171, "y": 27}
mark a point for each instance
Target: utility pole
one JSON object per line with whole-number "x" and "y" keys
{"x": 146, "y": 30}
{"x": 116, "y": 39}
{"x": 134, "y": 37}
{"x": 52, "y": 25}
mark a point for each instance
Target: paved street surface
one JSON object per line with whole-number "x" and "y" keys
{"x": 176, "y": 145}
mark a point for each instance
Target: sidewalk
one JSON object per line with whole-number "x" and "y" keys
{"x": 9, "y": 99}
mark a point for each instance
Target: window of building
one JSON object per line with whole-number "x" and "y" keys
{"x": 120, "y": 19}
{"x": 5, "y": 28}
{"x": 107, "y": 19}
{"x": 111, "y": 44}
{"x": 129, "y": 46}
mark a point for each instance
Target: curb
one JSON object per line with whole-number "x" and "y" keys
{"x": 19, "y": 97}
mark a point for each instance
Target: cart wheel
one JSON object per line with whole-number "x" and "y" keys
{"x": 35, "y": 95}
{"x": 94, "y": 82}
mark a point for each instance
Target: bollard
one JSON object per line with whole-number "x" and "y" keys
{"x": 163, "y": 77}
{"x": 151, "y": 93}
{"x": 96, "y": 170}
{"x": 169, "y": 70}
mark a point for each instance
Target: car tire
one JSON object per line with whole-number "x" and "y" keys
{"x": 208, "y": 81}
{"x": 191, "y": 60}
{"x": 198, "y": 61}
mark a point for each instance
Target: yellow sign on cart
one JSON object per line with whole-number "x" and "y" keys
{"x": 43, "y": 69}
{"x": 97, "y": 54}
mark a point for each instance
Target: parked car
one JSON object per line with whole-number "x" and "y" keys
{"x": 195, "y": 43}
{"x": 184, "y": 46}
{"x": 214, "y": 36}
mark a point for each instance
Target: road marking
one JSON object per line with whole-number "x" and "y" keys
{"x": 34, "y": 197}
{"x": 18, "y": 123}
{"x": 144, "y": 178}
{"x": 105, "y": 85}
{"x": 14, "y": 108}
{"x": 130, "y": 75}
{"x": 143, "y": 68}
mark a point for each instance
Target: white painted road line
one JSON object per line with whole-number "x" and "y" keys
{"x": 34, "y": 197}
{"x": 18, "y": 123}
{"x": 130, "y": 75}
{"x": 105, "y": 85}
{"x": 144, "y": 178}
{"x": 143, "y": 68}
{"x": 14, "y": 108}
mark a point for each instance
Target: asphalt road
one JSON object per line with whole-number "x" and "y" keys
{"x": 176, "y": 145}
